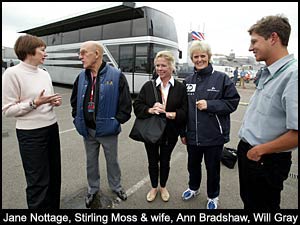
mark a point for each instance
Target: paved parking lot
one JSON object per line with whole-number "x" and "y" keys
{"x": 133, "y": 162}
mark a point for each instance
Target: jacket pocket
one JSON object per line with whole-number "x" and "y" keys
{"x": 78, "y": 123}
{"x": 107, "y": 126}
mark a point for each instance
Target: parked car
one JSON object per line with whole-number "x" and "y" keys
{"x": 184, "y": 71}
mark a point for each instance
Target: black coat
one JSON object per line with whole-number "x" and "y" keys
{"x": 176, "y": 102}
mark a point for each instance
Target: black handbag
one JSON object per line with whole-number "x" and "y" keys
{"x": 229, "y": 157}
{"x": 151, "y": 129}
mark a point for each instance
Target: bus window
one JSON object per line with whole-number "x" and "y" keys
{"x": 126, "y": 58}
{"x": 141, "y": 64}
{"x": 106, "y": 59}
{"x": 164, "y": 29}
{"x": 114, "y": 50}
{"x": 117, "y": 30}
{"x": 140, "y": 27}
{"x": 141, "y": 59}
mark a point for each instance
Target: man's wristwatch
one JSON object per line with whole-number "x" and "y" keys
{"x": 32, "y": 104}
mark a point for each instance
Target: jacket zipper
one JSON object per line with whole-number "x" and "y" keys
{"x": 219, "y": 123}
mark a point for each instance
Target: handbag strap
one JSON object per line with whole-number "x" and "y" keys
{"x": 155, "y": 91}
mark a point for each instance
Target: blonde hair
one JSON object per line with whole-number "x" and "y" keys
{"x": 202, "y": 46}
{"x": 167, "y": 55}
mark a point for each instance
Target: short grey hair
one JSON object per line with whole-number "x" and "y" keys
{"x": 202, "y": 46}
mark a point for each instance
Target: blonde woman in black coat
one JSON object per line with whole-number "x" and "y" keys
{"x": 173, "y": 105}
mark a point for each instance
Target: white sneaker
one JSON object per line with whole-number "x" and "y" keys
{"x": 188, "y": 194}
{"x": 212, "y": 203}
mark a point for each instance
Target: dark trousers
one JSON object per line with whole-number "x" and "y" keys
{"x": 40, "y": 153}
{"x": 159, "y": 156}
{"x": 262, "y": 181}
{"x": 212, "y": 157}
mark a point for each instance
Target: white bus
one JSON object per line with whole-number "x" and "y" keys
{"x": 131, "y": 38}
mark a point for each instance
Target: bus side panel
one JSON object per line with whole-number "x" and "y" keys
{"x": 63, "y": 75}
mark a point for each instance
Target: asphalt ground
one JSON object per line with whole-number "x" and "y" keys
{"x": 133, "y": 163}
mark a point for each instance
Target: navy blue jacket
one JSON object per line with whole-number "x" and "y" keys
{"x": 107, "y": 102}
{"x": 211, "y": 126}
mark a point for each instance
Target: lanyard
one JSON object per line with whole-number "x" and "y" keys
{"x": 93, "y": 86}
{"x": 278, "y": 72}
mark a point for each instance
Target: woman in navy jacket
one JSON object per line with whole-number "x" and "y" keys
{"x": 212, "y": 96}
{"x": 173, "y": 105}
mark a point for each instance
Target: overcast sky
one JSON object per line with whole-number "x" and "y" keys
{"x": 225, "y": 25}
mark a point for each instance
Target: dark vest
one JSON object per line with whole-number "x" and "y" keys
{"x": 106, "y": 123}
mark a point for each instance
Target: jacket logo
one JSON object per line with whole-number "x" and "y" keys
{"x": 190, "y": 87}
{"x": 109, "y": 82}
{"x": 213, "y": 89}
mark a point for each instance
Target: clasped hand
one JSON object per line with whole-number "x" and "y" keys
{"x": 157, "y": 108}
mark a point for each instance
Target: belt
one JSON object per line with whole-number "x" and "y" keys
{"x": 246, "y": 143}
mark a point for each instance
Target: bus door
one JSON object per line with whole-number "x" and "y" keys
{"x": 126, "y": 63}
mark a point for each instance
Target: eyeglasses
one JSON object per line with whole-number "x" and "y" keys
{"x": 83, "y": 52}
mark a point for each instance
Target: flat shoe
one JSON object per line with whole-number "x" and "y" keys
{"x": 151, "y": 196}
{"x": 164, "y": 194}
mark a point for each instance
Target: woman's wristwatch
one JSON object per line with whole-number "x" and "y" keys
{"x": 32, "y": 104}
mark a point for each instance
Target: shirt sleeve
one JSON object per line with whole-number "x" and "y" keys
{"x": 12, "y": 104}
{"x": 73, "y": 99}
{"x": 290, "y": 102}
{"x": 124, "y": 103}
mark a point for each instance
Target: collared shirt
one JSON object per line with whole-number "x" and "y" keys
{"x": 273, "y": 108}
{"x": 164, "y": 90}
{"x": 243, "y": 73}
